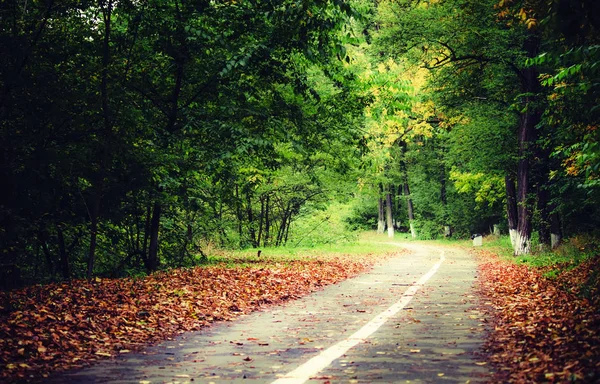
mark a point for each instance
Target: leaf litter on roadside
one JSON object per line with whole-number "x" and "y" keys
{"x": 58, "y": 326}
{"x": 543, "y": 329}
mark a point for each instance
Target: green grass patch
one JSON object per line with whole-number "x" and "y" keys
{"x": 568, "y": 255}
{"x": 365, "y": 246}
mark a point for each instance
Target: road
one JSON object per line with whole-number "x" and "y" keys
{"x": 413, "y": 318}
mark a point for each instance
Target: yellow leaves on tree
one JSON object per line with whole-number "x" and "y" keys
{"x": 487, "y": 188}
{"x": 522, "y": 15}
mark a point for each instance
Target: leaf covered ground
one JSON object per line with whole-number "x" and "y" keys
{"x": 49, "y": 328}
{"x": 544, "y": 329}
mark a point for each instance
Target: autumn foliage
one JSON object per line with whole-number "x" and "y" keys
{"x": 544, "y": 329}
{"x": 58, "y": 326}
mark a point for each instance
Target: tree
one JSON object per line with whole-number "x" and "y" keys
{"x": 161, "y": 106}
{"x": 474, "y": 56}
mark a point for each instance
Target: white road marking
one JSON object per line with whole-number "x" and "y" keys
{"x": 325, "y": 358}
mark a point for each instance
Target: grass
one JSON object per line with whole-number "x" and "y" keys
{"x": 568, "y": 255}
{"x": 367, "y": 245}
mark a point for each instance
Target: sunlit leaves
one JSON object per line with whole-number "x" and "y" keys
{"x": 487, "y": 188}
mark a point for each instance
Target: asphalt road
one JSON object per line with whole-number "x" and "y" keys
{"x": 413, "y": 318}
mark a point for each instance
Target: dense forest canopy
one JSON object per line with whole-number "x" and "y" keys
{"x": 137, "y": 134}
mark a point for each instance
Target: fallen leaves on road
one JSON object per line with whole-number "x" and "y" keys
{"x": 543, "y": 330}
{"x": 57, "y": 326}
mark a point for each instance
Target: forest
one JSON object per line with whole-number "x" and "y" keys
{"x": 138, "y": 135}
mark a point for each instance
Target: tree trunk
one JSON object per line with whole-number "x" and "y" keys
{"x": 511, "y": 209}
{"x": 410, "y": 209}
{"x": 106, "y": 115}
{"x": 147, "y": 231}
{"x": 93, "y": 238}
{"x": 43, "y": 239}
{"x": 152, "y": 264}
{"x": 251, "y": 229}
{"x": 529, "y": 118}
{"x": 238, "y": 212}
{"x": 380, "y": 212}
{"x": 523, "y": 238}
{"x": 543, "y": 204}
{"x": 261, "y": 220}
{"x": 444, "y": 200}
{"x": 406, "y": 193}
{"x": 64, "y": 257}
{"x": 389, "y": 215}
{"x": 287, "y": 230}
{"x": 555, "y": 230}
{"x": 267, "y": 222}
{"x": 380, "y": 215}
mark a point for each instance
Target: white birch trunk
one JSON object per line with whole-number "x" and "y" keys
{"x": 522, "y": 245}
{"x": 555, "y": 240}
{"x": 513, "y": 238}
{"x": 380, "y": 226}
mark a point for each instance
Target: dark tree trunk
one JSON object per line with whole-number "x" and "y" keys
{"x": 555, "y": 230}
{"x": 524, "y": 214}
{"x": 251, "y": 229}
{"x": 443, "y": 197}
{"x": 546, "y": 208}
{"x": 179, "y": 57}
{"x": 64, "y": 255}
{"x": 284, "y": 220}
{"x": 147, "y": 231}
{"x": 240, "y": 217}
{"x": 409, "y": 208}
{"x": 543, "y": 205}
{"x": 397, "y": 205}
{"x": 267, "y": 222}
{"x": 43, "y": 239}
{"x": 152, "y": 263}
{"x": 106, "y": 116}
{"x": 511, "y": 208}
{"x": 287, "y": 229}
{"x": 261, "y": 220}
{"x": 529, "y": 118}
{"x": 406, "y": 193}
{"x": 444, "y": 200}
{"x": 94, "y": 231}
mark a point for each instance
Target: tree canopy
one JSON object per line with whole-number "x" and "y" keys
{"x": 137, "y": 135}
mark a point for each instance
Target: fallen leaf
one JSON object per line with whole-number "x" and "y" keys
{"x": 85, "y": 320}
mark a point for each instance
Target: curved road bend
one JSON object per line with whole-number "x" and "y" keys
{"x": 413, "y": 318}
